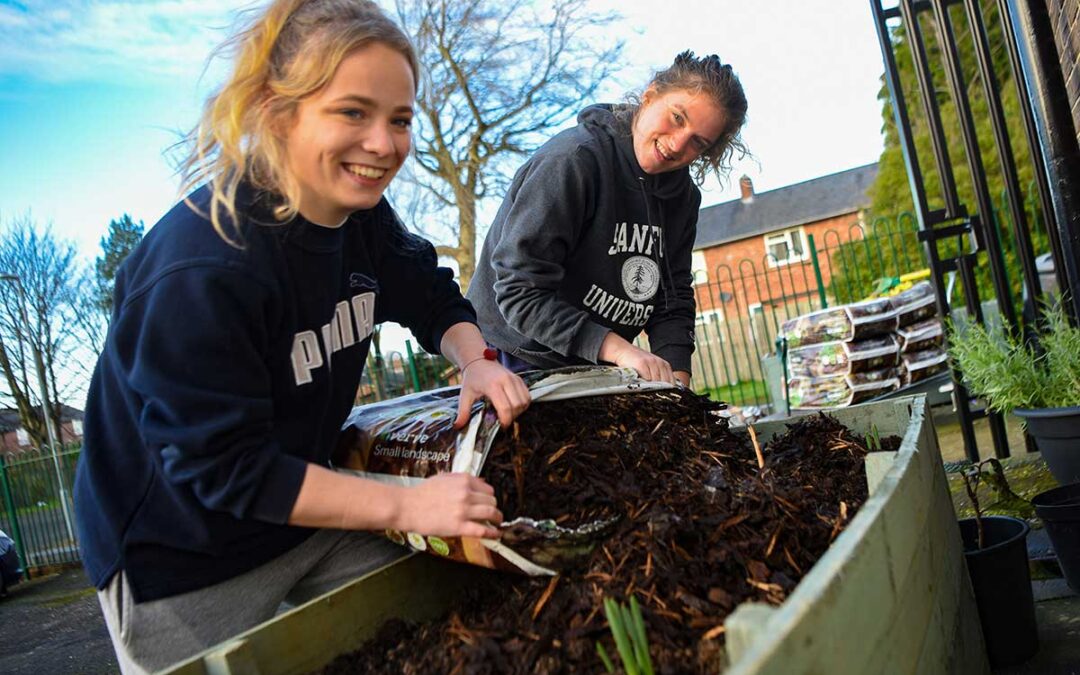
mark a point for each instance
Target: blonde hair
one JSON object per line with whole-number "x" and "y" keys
{"x": 284, "y": 54}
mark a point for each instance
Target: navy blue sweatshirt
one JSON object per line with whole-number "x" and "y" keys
{"x": 225, "y": 372}
{"x": 586, "y": 243}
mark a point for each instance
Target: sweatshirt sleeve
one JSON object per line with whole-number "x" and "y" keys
{"x": 671, "y": 329}
{"x": 415, "y": 291}
{"x": 193, "y": 343}
{"x": 549, "y": 203}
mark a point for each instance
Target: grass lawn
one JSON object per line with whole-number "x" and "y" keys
{"x": 747, "y": 392}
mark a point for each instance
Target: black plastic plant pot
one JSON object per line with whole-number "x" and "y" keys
{"x": 999, "y": 574}
{"x": 1059, "y": 510}
{"x": 1057, "y": 433}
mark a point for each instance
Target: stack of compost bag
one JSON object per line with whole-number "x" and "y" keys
{"x": 848, "y": 354}
{"x": 920, "y": 334}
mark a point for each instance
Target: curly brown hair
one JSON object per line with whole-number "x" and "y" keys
{"x": 705, "y": 75}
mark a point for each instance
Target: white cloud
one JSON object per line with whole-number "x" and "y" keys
{"x": 112, "y": 40}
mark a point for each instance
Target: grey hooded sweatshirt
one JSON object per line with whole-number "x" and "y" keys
{"x": 586, "y": 243}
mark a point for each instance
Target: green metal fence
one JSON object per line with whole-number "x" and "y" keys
{"x": 742, "y": 306}
{"x": 395, "y": 373}
{"x": 33, "y": 513}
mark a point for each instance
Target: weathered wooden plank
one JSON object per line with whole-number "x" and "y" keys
{"x": 310, "y": 636}
{"x": 892, "y": 596}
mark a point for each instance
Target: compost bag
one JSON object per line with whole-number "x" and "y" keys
{"x": 915, "y": 304}
{"x": 855, "y": 321}
{"x": 823, "y": 359}
{"x": 834, "y": 391}
{"x": 917, "y": 366}
{"x": 406, "y": 440}
{"x": 921, "y": 335}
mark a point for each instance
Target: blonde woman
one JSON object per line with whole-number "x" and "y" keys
{"x": 241, "y": 329}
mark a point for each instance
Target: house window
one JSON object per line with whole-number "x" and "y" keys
{"x": 76, "y": 427}
{"x": 22, "y": 436}
{"x": 756, "y": 313}
{"x": 698, "y": 269}
{"x": 787, "y": 247}
{"x": 712, "y": 315}
{"x": 708, "y": 328}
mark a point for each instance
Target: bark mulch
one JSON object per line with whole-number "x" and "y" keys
{"x": 700, "y": 525}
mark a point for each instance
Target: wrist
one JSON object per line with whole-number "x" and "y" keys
{"x": 611, "y": 347}
{"x": 489, "y": 354}
{"x": 395, "y": 508}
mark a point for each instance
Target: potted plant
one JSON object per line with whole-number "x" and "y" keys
{"x": 995, "y": 550}
{"x": 1040, "y": 387}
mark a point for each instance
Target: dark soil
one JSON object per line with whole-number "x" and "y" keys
{"x": 701, "y": 528}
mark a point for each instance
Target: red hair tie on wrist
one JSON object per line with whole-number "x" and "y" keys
{"x": 489, "y": 355}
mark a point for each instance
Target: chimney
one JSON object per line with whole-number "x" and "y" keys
{"x": 747, "y": 187}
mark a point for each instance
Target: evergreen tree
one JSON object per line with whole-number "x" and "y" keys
{"x": 891, "y": 192}
{"x": 124, "y": 235}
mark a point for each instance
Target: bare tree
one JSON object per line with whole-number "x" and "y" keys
{"x": 41, "y": 316}
{"x": 497, "y": 78}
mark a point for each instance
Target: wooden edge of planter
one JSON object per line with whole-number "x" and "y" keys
{"x": 891, "y": 593}
{"x": 418, "y": 586}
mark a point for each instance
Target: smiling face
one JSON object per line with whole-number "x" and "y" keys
{"x": 673, "y": 129}
{"x": 348, "y": 140}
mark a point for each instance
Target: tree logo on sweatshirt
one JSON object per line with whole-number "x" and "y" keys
{"x": 640, "y": 278}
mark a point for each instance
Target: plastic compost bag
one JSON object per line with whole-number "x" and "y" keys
{"x": 841, "y": 390}
{"x": 405, "y": 440}
{"x": 922, "y": 335}
{"x": 914, "y": 304}
{"x": 844, "y": 323}
{"x": 841, "y": 358}
{"x": 918, "y": 366}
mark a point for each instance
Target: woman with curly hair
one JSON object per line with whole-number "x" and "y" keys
{"x": 592, "y": 243}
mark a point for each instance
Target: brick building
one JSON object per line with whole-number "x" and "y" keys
{"x": 14, "y": 439}
{"x": 752, "y": 247}
{"x": 1065, "y": 18}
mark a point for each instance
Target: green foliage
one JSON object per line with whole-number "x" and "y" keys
{"x": 124, "y": 235}
{"x": 1008, "y": 373}
{"x": 628, "y": 630}
{"x": 891, "y": 192}
{"x": 889, "y": 248}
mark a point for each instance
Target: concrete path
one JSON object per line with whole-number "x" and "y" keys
{"x": 53, "y": 625}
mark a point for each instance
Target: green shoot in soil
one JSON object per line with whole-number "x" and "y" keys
{"x": 628, "y": 630}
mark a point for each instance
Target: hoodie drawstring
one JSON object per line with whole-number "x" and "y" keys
{"x": 669, "y": 283}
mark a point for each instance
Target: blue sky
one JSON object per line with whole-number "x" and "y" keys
{"x": 92, "y": 92}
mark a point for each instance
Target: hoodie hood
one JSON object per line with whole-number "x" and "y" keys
{"x": 606, "y": 122}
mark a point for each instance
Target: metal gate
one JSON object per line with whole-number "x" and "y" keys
{"x": 909, "y": 25}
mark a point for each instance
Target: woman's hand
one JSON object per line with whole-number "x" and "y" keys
{"x": 615, "y": 349}
{"x": 489, "y": 379}
{"x": 463, "y": 345}
{"x": 450, "y": 505}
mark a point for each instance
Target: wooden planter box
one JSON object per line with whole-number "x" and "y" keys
{"x": 891, "y": 595}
